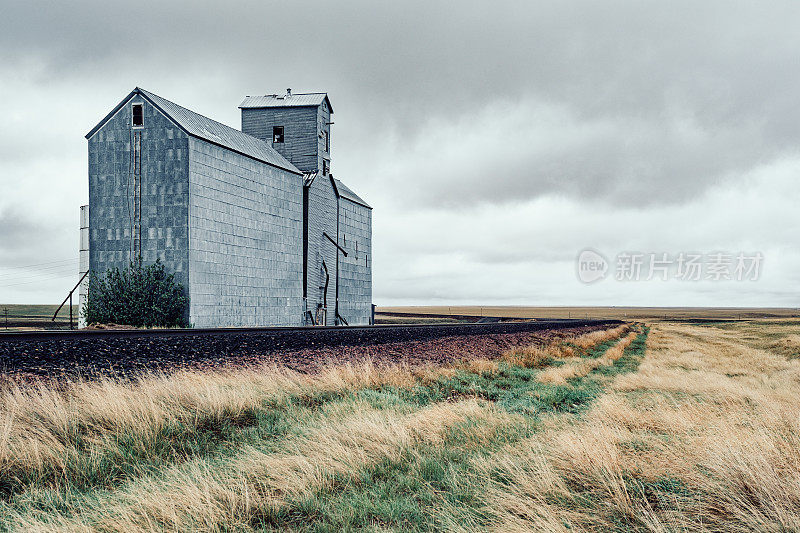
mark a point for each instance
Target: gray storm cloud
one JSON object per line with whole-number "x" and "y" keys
{"x": 611, "y": 98}
{"x": 442, "y": 110}
{"x": 17, "y": 230}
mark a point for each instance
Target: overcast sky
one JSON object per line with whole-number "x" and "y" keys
{"x": 495, "y": 140}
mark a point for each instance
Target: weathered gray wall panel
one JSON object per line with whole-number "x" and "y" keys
{"x": 245, "y": 230}
{"x": 321, "y": 220}
{"x": 323, "y": 126}
{"x": 164, "y": 188}
{"x": 355, "y": 270}
{"x": 300, "y": 144}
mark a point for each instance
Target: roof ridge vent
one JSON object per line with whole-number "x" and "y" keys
{"x": 288, "y": 92}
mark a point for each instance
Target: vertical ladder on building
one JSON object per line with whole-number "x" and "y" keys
{"x": 136, "y": 230}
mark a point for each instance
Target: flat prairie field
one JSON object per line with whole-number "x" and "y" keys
{"x": 18, "y": 317}
{"x": 621, "y": 313}
{"x": 647, "y": 426}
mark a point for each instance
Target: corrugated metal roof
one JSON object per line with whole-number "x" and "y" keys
{"x": 279, "y": 100}
{"x": 218, "y": 133}
{"x": 347, "y": 192}
{"x": 204, "y": 128}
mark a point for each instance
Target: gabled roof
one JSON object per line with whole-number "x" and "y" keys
{"x": 201, "y": 127}
{"x": 280, "y": 100}
{"x": 346, "y": 192}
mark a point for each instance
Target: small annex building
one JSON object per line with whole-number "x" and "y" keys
{"x": 252, "y": 223}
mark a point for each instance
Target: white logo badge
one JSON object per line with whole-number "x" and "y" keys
{"x": 592, "y": 266}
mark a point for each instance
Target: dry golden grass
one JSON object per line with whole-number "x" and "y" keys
{"x": 705, "y": 436}
{"x": 43, "y": 428}
{"x": 789, "y": 346}
{"x": 593, "y": 338}
{"x": 577, "y": 367}
{"x": 568, "y": 350}
{"x": 58, "y": 436}
{"x": 532, "y": 356}
{"x": 616, "y": 351}
{"x": 573, "y": 368}
{"x": 201, "y": 495}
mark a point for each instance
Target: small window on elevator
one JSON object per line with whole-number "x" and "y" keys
{"x": 326, "y": 167}
{"x": 138, "y": 115}
{"x": 277, "y": 134}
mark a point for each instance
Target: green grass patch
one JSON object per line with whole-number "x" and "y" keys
{"x": 598, "y": 351}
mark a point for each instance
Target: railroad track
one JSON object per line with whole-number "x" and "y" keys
{"x": 117, "y": 351}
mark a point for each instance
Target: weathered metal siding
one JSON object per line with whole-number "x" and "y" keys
{"x": 355, "y": 270}
{"x": 301, "y": 138}
{"x": 323, "y": 126}
{"x": 321, "y": 220}
{"x": 164, "y": 188}
{"x": 245, "y": 230}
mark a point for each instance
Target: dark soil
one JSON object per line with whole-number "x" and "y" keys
{"x": 129, "y": 353}
{"x": 414, "y": 353}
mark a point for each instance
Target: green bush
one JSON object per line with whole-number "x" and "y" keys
{"x": 140, "y": 295}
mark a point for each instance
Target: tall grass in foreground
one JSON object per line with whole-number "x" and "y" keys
{"x": 704, "y": 436}
{"x": 701, "y": 434}
{"x": 95, "y": 432}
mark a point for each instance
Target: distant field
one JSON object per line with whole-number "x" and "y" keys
{"x": 22, "y": 317}
{"x": 638, "y": 313}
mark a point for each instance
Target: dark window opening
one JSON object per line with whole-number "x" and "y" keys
{"x": 138, "y": 115}
{"x": 326, "y": 167}
{"x": 277, "y": 134}
{"x": 327, "y": 141}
